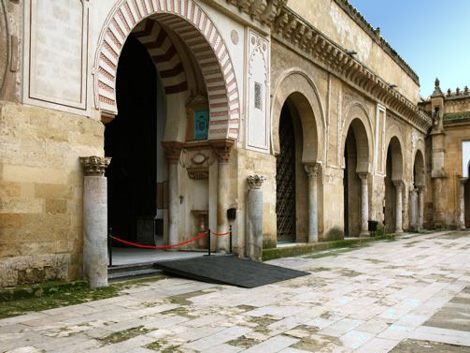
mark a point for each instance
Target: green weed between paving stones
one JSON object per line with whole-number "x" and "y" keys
{"x": 181, "y": 311}
{"x": 243, "y": 342}
{"x": 159, "y": 347}
{"x": 49, "y": 295}
{"x": 124, "y": 335}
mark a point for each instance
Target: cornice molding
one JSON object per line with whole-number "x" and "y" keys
{"x": 374, "y": 33}
{"x": 293, "y": 31}
{"x": 264, "y": 11}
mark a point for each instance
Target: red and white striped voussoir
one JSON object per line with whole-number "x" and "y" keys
{"x": 195, "y": 27}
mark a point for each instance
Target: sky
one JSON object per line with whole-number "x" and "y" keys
{"x": 432, "y": 36}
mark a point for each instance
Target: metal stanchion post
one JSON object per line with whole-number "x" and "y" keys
{"x": 208, "y": 242}
{"x": 231, "y": 252}
{"x": 110, "y": 247}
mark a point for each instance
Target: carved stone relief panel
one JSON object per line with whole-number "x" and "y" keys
{"x": 258, "y": 105}
{"x": 380, "y": 122}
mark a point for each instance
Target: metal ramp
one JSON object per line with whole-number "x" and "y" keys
{"x": 229, "y": 270}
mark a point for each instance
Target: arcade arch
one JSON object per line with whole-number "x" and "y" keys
{"x": 296, "y": 171}
{"x": 356, "y": 147}
{"x": 187, "y": 95}
{"x": 417, "y": 193}
{"x": 394, "y": 185}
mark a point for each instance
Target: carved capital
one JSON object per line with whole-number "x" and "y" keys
{"x": 255, "y": 181}
{"x": 222, "y": 149}
{"x": 363, "y": 176}
{"x": 312, "y": 170}
{"x": 95, "y": 166}
{"x": 172, "y": 151}
{"x": 398, "y": 184}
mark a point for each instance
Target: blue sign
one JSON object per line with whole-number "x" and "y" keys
{"x": 201, "y": 128}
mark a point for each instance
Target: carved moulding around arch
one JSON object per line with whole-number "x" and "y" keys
{"x": 4, "y": 46}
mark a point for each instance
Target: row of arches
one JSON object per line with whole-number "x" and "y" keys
{"x": 152, "y": 63}
{"x": 296, "y": 143}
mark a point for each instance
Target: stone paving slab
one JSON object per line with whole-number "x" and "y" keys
{"x": 408, "y": 295}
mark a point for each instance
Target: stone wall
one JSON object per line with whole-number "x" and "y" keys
{"x": 453, "y": 167}
{"x": 335, "y": 23}
{"x": 41, "y": 192}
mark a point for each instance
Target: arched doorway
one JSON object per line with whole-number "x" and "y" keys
{"x": 356, "y": 166}
{"x": 286, "y": 179}
{"x": 394, "y": 187}
{"x": 467, "y": 199}
{"x": 188, "y": 98}
{"x": 296, "y": 198}
{"x": 417, "y": 193}
{"x": 133, "y": 141}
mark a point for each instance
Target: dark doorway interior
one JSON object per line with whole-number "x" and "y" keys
{"x": 286, "y": 180}
{"x": 131, "y": 139}
{"x": 352, "y": 188}
{"x": 390, "y": 195}
{"x": 467, "y": 203}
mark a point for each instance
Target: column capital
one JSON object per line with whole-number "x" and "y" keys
{"x": 414, "y": 191}
{"x": 222, "y": 148}
{"x": 172, "y": 151}
{"x": 420, "y": 187}
{"x": 398, "y": 184}
{"x": 94, "y": 165}
{"x": 312, "y": 169}
{"x": 255, "y": 181}
{"x": 363, "y": 176}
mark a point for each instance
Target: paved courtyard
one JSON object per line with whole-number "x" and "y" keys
{"x": 408, "y": 295}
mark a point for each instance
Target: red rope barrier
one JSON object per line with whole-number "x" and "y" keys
{"x": 161, "y": 246}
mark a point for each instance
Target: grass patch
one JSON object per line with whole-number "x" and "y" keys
{"x": 350, "y": 273}
{"x": 181, "y": 311}
{"x": 182, "y": 299}
{"x": 159, "y": 346}
{"x": 262, "y": 323}
{"x": 124, "y": 335}
{"x": 50, "y": 295}
{"x": 243, "y": 342}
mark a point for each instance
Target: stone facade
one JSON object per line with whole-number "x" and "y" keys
{"x": 233, "y": 86}
{"x": 449, "y": 204}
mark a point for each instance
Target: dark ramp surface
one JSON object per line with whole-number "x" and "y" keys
{"x": 229, "y": 270}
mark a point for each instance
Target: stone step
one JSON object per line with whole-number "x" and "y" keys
{"x": 132, "y": 271}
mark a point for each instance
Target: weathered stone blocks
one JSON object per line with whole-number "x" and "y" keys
{"x": 41, "y": 185}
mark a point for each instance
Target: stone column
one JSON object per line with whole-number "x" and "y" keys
{"x": 399, "y": 206}
{"x": 173, "y": 153}
{"x": 254, "y": 222}
{"x": 95, "y": 221}
{"x": 312, "y": 172}
{"x": 222, "y": 149}
{"x": 414, "y": 208}
{"x": 364, "y": 204}
{"x": 421, "y": 190}
{"x": 462, "y": 182}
